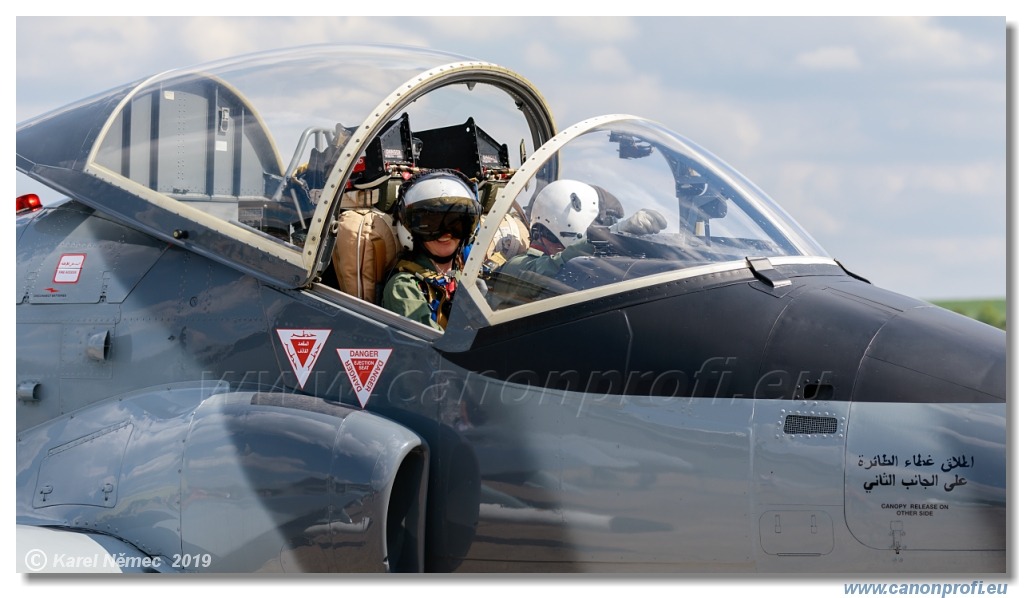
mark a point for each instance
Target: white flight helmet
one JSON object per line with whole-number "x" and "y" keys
{"x": 566, "y": 208}
{"x": 436, "y": 203}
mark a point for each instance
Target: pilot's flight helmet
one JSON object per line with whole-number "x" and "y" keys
{"x": 566, "y": 208}
{"x": 439, "y": 202}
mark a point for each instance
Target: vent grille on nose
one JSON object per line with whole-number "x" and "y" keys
{"x": 810, "y": 424}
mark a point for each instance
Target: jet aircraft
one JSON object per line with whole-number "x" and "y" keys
{"x": 207, "y": 383}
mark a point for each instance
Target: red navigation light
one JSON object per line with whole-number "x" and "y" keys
{"x": 28, "y": 202}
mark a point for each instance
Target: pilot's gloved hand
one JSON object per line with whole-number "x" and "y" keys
{"x": 643, "y": 222}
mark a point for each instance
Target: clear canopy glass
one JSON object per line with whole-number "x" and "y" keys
{"x": 258, "y": 151}
{"x": 666, "y": 206}
{"x": 253, "y": 161}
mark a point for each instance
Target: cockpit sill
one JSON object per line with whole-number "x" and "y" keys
{"x": 468, "y": 318}
{"x": 711, "y": 273}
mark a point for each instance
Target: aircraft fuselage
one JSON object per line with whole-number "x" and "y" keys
{"x": 187, "y": 408}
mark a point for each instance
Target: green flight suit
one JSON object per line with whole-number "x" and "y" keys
{"x": 530, "y": 275}
{"x": 406, "y": 292}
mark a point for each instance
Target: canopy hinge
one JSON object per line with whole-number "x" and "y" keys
{"x": 765, "y": 272}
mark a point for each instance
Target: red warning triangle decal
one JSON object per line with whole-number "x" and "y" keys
{"x": 302, "y": 346}
{"x": 364, "y": 367}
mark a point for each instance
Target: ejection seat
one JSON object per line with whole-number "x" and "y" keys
{"x": 368, "y": 242}
{"x": 367, "y": 246}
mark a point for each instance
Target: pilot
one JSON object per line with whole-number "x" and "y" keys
{"x": 559, "y": 218}
{"x": 440, "y": 210}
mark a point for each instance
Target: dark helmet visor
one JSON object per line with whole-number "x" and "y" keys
{"x": 432, "y": 219}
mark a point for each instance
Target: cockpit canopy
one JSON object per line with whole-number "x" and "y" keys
{"x": 666, "y": 209}
{"x": 253, "y": 162}
{"x": 246, "y": 160}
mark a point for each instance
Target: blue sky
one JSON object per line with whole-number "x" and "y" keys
{"x": 884, "y": 137}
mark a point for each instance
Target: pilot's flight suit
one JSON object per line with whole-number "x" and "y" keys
{"x": 418, "y": 292}
{"x": 527, "y": 276}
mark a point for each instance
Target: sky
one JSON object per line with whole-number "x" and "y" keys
{"x": 884, "y": 137}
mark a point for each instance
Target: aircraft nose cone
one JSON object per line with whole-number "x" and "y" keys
{"x": 929, "y": 354}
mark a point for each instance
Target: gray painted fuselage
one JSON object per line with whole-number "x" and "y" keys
{"x": 158, "y": 404}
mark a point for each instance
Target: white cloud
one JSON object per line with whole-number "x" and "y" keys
{"x": 539, "y": 55}
{"x": 930, "y": 266}
{"x": 830, "y": 58}
{"x": 220, "y": 37}
{"x": 924, "y": 42}
{"x": 608, "y": 60}
{"x": 718, "y": 123}
{"x": 230, "y": 36}
{"x": 599, "y": 29}
{"x": 475, "y": 28}
{"x": 921, "y": 191}
{"x": 968, "y": 179}
{"x": 805, "y": 189}
{"x": 85, "y": 43}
